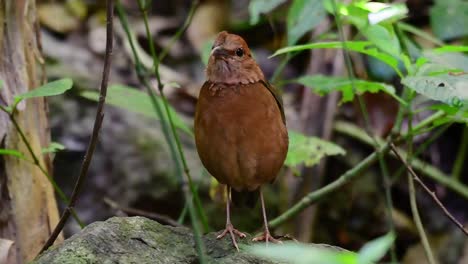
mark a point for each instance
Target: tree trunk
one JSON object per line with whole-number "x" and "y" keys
{"x": 28, "y": 210}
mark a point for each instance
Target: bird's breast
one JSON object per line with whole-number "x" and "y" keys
{"x": 240, "y": 136}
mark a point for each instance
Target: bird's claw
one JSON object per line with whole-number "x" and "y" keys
{"x": 267, "y": 237}
{"x": 233, "y": 233}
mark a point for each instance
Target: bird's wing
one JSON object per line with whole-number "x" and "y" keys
{"x": 278, "y": 98}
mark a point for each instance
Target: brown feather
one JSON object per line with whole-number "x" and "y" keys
{"x": 240, "y": 135}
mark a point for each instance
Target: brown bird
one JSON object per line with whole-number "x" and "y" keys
{"x": 240, "y": 128}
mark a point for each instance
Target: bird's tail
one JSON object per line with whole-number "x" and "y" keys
{"x": 244, "y": 198}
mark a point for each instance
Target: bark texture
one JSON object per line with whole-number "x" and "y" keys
{"x": 28, "y": 209}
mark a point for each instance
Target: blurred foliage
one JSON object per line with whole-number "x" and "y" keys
{"x": 426, "y": 59}
{"x": 297, "y": 253}
{"x": 309, "y": 150}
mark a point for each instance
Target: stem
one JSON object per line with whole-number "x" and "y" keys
{"x": 36, "y": 162}
{"x": 314, "y": 196}
{"x": 461, "y": 155}
{"x": 431, "y": 193}
{"x": 181, "y": 30}
{"x": 418, "y": 222}
{"x": 97, "y": 126}
{"x": 187, "y": 187}
{"x": 428, "y": 170}
{"x": 365, "y": 114}
{"x": 412, "y": 191}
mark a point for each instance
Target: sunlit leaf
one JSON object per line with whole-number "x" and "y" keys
{"x": 388, "y": 14}
{"x": 309, "y": 150}
{"x": 298, "y": 253}
{"x": 325, "y": 84}
{"x": 136, "y": 101}
{"x": 49, "y": 89}
{"x": 364, "y": 47}
{"x": 450, "y": 89}
{"x": 257, "y": 7}
{"x": 53, "y": 147}
{"x": 376, "y": 249}
{"x": 303, "y": 16}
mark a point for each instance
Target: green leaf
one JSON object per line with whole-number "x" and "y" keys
{"x": 309, "y": 150}
{"x": 303, "y": 16}
{"x": 53, "y": 147}
{"x": 447, "y": 88}
{"x": 298, "y": 253}
{"x": 364, "y": 47}
{"x": 376, "y": 249}
{"x": 12, "y": 152}
{"x": 325, "y": 84}
{"x": 384, "y": 39}
{"x": 136, "y": 101}
{"x": 1, "y": 84}
{"x": 454, "y": 114}
{"x": 453, "y": 60}
{"x": 449, "y": 18}
{"x": 48, "y": 89}
{"x": 257, "y": 7}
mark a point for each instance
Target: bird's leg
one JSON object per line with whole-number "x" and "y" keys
{"x": 266, "y": 236}
{"x": 229, "y": 228}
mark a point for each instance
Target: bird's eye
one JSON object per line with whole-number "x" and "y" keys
{"x": 240, "y": 52}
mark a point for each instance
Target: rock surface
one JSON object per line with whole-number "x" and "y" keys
{"x": 140, "y": 240}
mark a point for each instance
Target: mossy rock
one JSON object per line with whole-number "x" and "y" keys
{"x": 140, "y": 240}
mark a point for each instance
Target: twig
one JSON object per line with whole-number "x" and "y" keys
{"x": 134, "y": 211}
{"x": 349, "y": 175}
{"x": 428, "y": 170}
{"x": 461, "y": 155}
{"x": 97, "y": 126}
{"x": 431, "y": 193}
{"x": 314, "y": 196}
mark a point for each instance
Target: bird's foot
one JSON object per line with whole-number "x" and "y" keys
{"x": 233, "y": 233}
{"x": 267, "y": 237}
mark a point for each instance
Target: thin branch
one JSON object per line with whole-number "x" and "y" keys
{"x": 97, "y": 126}
{"x": 314, "y": 196}
{"x": 164, "y": 219}
{"x": 346, "y": 177}
{"x": 461, "y": 155}
{"x": 428, "y": 170}
{"x": 431, "y": 193}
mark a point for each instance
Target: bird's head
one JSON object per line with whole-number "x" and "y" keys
{"x": 231, "y": 61}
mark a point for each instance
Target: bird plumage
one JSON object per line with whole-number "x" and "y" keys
{"x": 240, "y": 127}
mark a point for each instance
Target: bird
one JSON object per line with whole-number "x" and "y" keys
{"x": 240, "y": 126}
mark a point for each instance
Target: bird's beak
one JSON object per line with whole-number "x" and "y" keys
{"x": 219, "y": 52}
